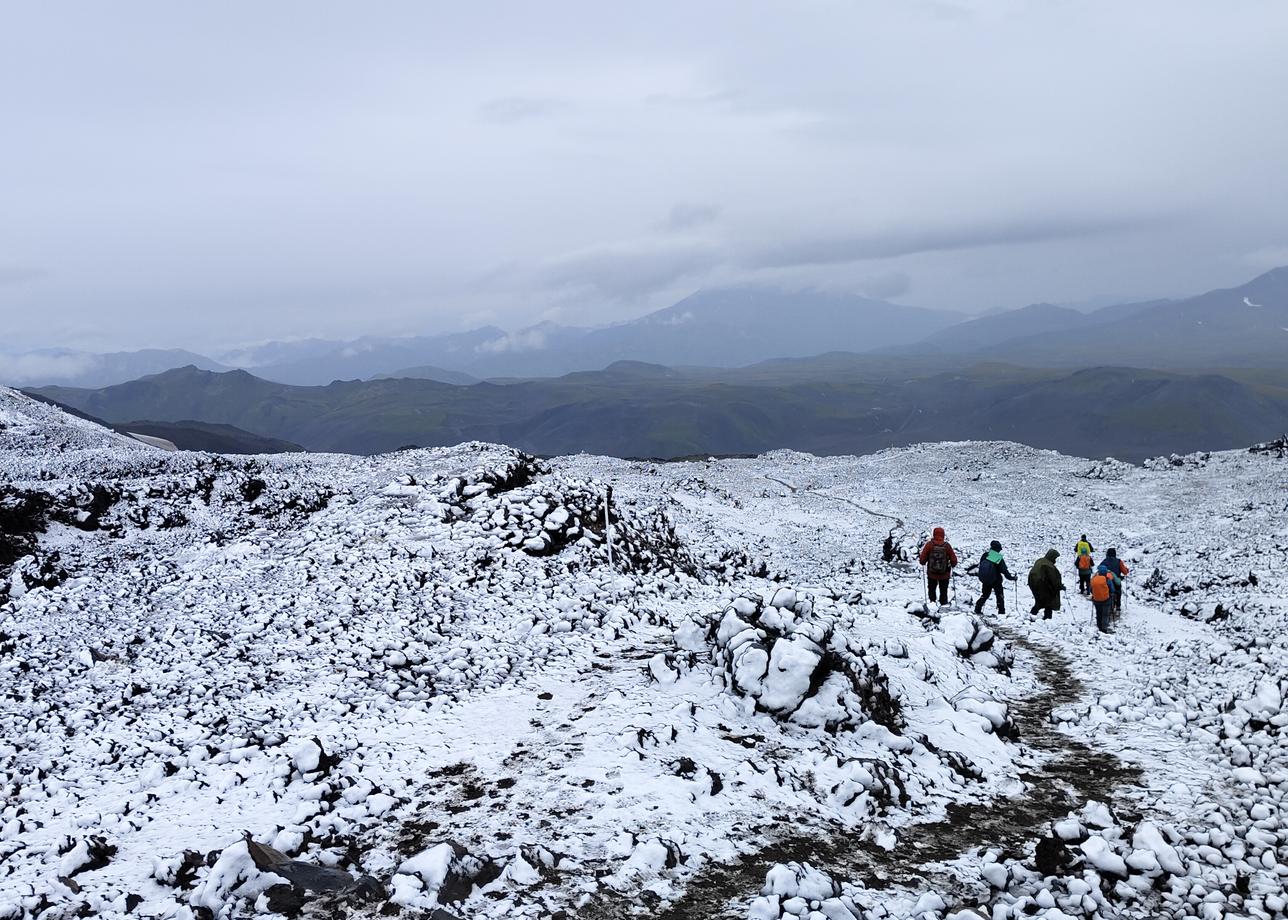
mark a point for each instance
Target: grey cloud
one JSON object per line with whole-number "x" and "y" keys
{"x": 12, "y": 275}
{"x": 941, "y": 10}
{"x": 859, "y": 247}
{"x": 354, "y": 174}
{"x": 1266, "y": 257}
{"x": 698, "y": 100}
{"x": 512, "y": 109}
{"x": 688, "y": 216}
{"x": 21, "y": 369}
{"x": 634, "y": 270}
{"x": 532, "y": 339}
{"x": 885, "y": 286}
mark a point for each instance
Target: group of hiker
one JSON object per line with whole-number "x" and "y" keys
{"x": 1103, "y": 583}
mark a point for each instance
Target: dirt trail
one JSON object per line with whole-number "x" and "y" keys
{"x": 898, "y": 521}
{"x": 1063, "y": 773}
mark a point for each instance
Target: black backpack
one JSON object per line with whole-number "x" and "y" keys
{"x": 987, "y": 571}
{"x": 938, "y": 563}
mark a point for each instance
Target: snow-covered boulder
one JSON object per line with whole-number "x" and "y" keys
{"x": 792, "y": 664}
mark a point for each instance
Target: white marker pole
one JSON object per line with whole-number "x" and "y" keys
{"x": 608, "y": 524}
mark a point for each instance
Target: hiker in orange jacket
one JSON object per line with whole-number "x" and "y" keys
{"x": 1086, "y": 566}
{"x": 1104, "y": 590}
{"x": 939, "y": 559}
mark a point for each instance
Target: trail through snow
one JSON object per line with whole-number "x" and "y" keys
{"x": 418, "y": 676}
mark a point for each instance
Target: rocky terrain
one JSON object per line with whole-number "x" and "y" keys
{"x": 462, "y": 682}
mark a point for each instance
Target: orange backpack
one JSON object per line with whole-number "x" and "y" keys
{"x": 1100, "y": 587}
{"x": 1084, "y": 561}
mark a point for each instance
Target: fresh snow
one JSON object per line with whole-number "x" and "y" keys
{"x": 414, "y": 682}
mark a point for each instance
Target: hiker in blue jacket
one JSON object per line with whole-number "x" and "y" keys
{"x": 990, "y": 571}
{"x": 1119, "y": 570}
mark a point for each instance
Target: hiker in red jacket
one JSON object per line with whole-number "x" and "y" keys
{"x": 940, "y": 560}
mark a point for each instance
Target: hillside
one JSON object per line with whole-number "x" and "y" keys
{"x": 1244, "y": 326}
{"x": 430, "y": 372}
{"x": 738, "y": 326}
{"x": 189, "y": 434}
{"x": 1032, "y": 335}
{"x": 986, "y": 331}
{"x": 422, "y": 684}
{"x": 831, "y": 405}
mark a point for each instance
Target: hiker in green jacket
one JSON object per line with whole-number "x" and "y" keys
{"x": 990, "y": 570}
{"x": 1046, "y": 584}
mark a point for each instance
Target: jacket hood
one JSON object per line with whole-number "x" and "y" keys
{"x": 939, "y": 534}
{"x": 1053, "y": 554}
{"x": 993, "y": 556}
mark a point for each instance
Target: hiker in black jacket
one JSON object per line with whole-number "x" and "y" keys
{"x": 990, "y": 571}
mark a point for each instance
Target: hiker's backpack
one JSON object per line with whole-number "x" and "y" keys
{"x": 987, "y": 571}
{"x": 1100, "y": 587}
{"x": 938, "y": 562}
{"x": 1084, "y": 561}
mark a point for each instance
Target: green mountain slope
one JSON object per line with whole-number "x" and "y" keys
{"x": 848, "y": 404}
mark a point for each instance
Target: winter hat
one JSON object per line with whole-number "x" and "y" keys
{"x": 1111, "y": 552}
{"x": 939, "y": 533}
{"x": 995, "y": 546}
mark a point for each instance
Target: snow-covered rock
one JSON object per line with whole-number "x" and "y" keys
{"x": 418, "y": 680}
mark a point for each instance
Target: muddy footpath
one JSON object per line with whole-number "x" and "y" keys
{"x": 1061, "y": 774}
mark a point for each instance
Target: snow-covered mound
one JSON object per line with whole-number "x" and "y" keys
{"x": 441, "y": 680}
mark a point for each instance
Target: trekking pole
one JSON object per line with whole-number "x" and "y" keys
{"x": 608, "y": 525}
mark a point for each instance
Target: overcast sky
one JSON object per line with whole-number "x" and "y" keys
{"x": 220, "y": 173}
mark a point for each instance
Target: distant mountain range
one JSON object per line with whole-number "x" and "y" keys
{"x": 830, "y": 404}
{"x": 748, "y": 370}
{"x": 1010, "y": 331}
{"x": 1246, "y": 326}
{"x": 718, "y": 328}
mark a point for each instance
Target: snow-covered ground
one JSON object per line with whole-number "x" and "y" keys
{"x": 416, "y": 683}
